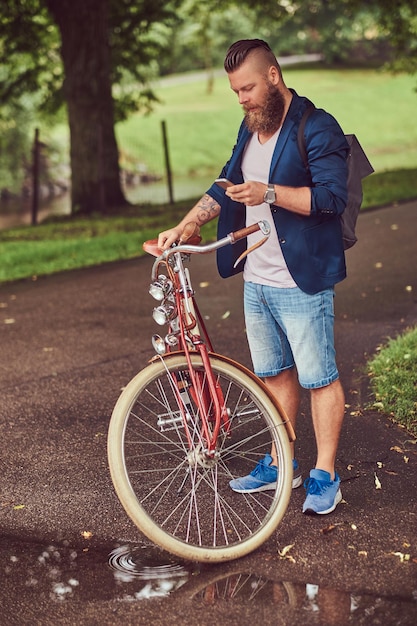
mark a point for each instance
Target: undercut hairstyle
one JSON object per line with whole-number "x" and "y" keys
{"x": 240, "y": 50}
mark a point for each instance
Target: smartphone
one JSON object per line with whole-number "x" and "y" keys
{"x": 223, "y": 182}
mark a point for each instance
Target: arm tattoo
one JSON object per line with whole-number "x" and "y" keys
{"x": 208, "y": 209}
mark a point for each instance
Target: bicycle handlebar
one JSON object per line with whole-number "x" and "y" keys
{"x": 231, "y": 238}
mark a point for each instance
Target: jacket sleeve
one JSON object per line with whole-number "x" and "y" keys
{"x": 327, "y": 150}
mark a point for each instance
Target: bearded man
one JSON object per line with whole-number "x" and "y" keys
{"x": 289, "y": 281}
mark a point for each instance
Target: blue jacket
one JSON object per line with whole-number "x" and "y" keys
{"x": 312, "y": 245}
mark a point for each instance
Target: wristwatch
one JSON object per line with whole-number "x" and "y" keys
{"x": 270, "y": 195}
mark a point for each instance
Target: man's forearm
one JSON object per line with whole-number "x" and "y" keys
{"x": 294, "y": 199}
{"x": 205, "y": 210}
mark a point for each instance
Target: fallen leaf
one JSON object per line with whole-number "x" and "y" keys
{"x": 329, "y": 528}
{"x": 406, "y": 459}
{"x": 17, "y": 507}
{"x": 379, "y": 464}
{"x": 86, "y": 534}
{"x": 363, "y": 553}
{"x": 397, "y": 449}
{"x": 225, "y": 315}
{"x": 350, "y": 467}
{"x": 377, "y": 482}
{"x": 204, "y": 284}
{"x": 9, "y": 320}
{"x": 378, "y": 265}
{"x": 403, "y": 557}
{"x": 284, "y": 553}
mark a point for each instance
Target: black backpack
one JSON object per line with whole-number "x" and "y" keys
{"x": 358, "y": 168}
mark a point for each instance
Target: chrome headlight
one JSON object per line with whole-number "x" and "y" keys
{"x": 163, "y": 313}
{"x": 158, "y": 344}
{"x": 160, "y": 288}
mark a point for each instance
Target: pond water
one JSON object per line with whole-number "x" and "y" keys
{"x": 17, "y": 212}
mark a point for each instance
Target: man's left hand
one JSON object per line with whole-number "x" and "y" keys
{"x": 250, "y": 193}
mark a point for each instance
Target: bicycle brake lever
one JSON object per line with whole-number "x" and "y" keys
{"x": 244, "y": 254}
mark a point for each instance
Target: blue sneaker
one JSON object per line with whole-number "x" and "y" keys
{"x": 323, "y": 494}
{"x": 264, "y": 477}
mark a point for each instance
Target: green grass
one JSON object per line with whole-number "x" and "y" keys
{"x": 383, "y": 188}
{"x": 393, "y": 373}
{"x": 378, "y": 107}
{"x": 70, "y": 243}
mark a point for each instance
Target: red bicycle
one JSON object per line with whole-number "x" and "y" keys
{"x": 189, "y": 422}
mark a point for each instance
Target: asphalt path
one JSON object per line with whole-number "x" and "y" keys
{"x": 71, "y": 341}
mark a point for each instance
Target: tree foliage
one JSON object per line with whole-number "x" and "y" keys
{"x": 99, "y": 56}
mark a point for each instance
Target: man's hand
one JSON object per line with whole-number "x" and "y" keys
{"x": 250, "y": 193}
{"x": 168, "y": 237}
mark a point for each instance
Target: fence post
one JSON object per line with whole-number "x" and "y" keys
{"x": 35, "y": 178}
{"x": 167, "y": 162}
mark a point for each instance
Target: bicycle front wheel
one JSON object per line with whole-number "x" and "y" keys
{"x": 176, "y": 494}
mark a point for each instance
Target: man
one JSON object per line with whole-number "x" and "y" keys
{"x": 289, "y": 281}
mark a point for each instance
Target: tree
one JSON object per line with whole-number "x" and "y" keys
{"x": 398, "y": 22}
{"x": 86, "y": 54}
{"x": 100, "y": 42}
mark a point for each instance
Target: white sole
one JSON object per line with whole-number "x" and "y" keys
{"x": 337, "y": 499}
{"x": 296, "y": 482}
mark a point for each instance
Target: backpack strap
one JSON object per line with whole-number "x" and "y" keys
{"x": 301, "y": 140}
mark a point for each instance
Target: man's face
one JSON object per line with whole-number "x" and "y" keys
{"x": 259, "y": 96}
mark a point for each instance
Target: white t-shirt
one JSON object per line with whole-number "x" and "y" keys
{"x": 265, "y": 265}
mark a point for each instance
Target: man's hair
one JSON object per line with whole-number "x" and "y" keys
{"x": 239, "y": 51}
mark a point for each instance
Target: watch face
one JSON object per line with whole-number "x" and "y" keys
{"x": 269, "y": 195}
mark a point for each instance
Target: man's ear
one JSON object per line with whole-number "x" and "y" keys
{"x": 273, "y": 75}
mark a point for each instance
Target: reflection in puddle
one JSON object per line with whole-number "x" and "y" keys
{"x": 320, "y": 605}
{"x": 36, "y": 576}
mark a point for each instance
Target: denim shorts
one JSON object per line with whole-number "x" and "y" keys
{"x": 287, "y": 327}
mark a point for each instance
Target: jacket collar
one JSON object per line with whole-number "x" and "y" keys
{"x": 292, "y": 118}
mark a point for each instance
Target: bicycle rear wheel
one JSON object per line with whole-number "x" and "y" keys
{"x": 176, "y": 496}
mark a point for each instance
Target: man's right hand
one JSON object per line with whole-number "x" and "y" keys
{"x": 168, "y": 237}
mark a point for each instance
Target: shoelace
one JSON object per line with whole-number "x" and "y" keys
{"x": 258, "y": 468}
{"x": 313, "y": 486}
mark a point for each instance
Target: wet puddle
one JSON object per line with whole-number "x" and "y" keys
{"x": 44, "y": 576}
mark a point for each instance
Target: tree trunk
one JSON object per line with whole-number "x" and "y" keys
{"x": 85, "y": 51}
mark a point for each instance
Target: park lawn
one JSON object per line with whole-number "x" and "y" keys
{"x": 202, "y": 127}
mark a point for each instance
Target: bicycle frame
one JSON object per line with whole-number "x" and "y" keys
{"x": 187, "y": 333}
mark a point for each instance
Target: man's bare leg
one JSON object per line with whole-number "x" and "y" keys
{"x": 327, "y": 407}
{"x": 285, "y": 387}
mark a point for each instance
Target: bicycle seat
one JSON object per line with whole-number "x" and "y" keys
{"x": 151, "y": 247}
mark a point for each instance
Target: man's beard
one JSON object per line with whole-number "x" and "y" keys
{"x": 268, "y": 118}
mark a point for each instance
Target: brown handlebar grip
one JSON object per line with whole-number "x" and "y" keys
{"x": 244, "y": 232}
